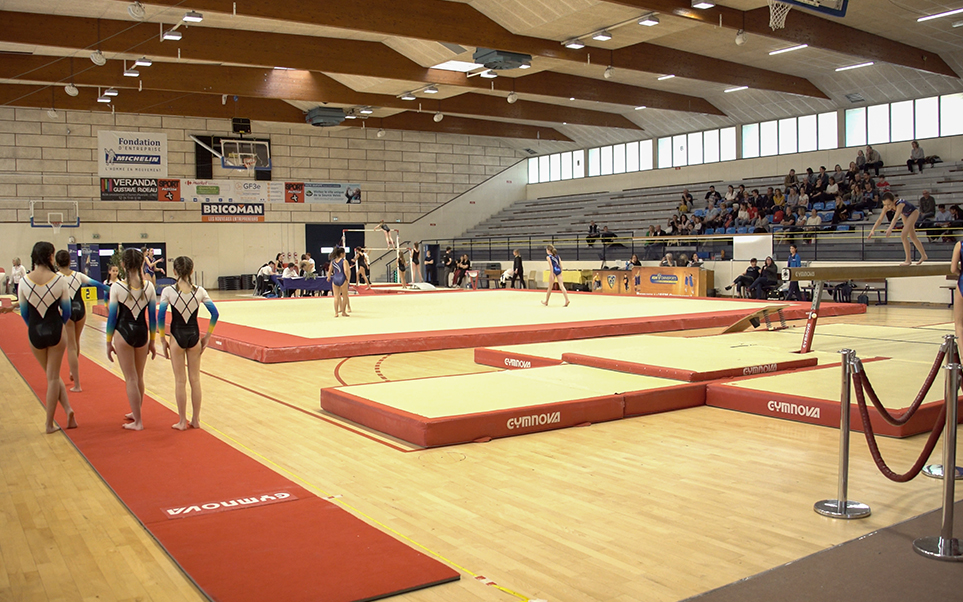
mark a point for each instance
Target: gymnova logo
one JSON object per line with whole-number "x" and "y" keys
{"x": 793, "y": 409}
{"x": 514, "y": 363}
{"x": 534, "y": 420}
{"x": 760, "y": 369}
{"x": 235, "y": 504}
{"x": 663, "y": 278}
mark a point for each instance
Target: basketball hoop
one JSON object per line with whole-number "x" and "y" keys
{"x": 56, "y": 226}
{"x": 777, "y": 14}
{"x": 249, "y": 164}
{"x": 56, "y": 220}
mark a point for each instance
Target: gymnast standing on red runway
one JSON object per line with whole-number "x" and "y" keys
{"x": 45, "y": 307}
{"x": 132, "y": 313}
{"x": 78, "y": 313}
{"x": 186, "y": 345}
{"x": 554, "y": 274}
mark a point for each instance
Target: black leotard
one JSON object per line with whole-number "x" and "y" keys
{"x": 184, "y": 309}
{"x": 44, "y": 305}
{"x": 132, "y": 312}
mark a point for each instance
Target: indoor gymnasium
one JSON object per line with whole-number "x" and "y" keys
{"x": 631, "y": 300}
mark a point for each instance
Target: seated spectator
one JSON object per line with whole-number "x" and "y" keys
{"x": 697, "y": 227}
{"x": 741, "y": 193}
{"x": 792, "y": 197}
{"x": 803, "y": 199}
{"x": 790, "y": 180}
{"x": 927, "y": 206}
{"x": 841, "y": 211}
{"x": 810, "y": 177}
{"x": 593, "y": 234}
{"x": 694, "y": 261}
{"x": 956, "y": 222}
{"x": 754, "y": 200}
{"x": 730, "y": 195}
{"x": 742, "y": 217}
{"x": 821, "y": 181}
{"x": 668, "y": 261}
{"x": 683, "y": 261}
{"x": 916, "y": 157}
{"x": 743, "y": 281}
{"x": 828, "y": 195}
{"x": 778, "y": 198}
{"x": 608, "y": 238}
{"x": 761, "y": 225}
{"x": 881, "y": 186}
{"x": 813, "y": 222}
{"x": 860, "y": 161}
{"x": 686, "y": 197}
{"x": 713, "y": 195}
{"x": 712, "y": 214}
{"x": 865, "y": 201}
{"x": 873, "y": 160}
{"x": 839, "y": 175}
{"x": 852, "y": 174}
{"x": 683, "y": 207}
{"x": 461, "y": 268}
{"x": 768, "y": 279}
{"x": 941, "y": 223}
{"x": 635, "y": 261}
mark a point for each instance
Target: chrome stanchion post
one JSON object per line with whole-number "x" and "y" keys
{"x": 944, "y": 546}
{"x": 842, "y": 507}
{"x": 935, "y": 471}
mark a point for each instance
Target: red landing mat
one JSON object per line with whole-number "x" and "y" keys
{"x": 269, "y": 347}
{"x": 239, "y": 530}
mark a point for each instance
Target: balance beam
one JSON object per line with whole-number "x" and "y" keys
{"x": 867, "y": 272}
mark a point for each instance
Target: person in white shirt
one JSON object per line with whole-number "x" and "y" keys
{"x": 291, "y": 271}
{"x": 18, "y": 272}
{"x": 941, "y": 219}
{"x": 263, "y": 278}
{"x": 812, "y": 224}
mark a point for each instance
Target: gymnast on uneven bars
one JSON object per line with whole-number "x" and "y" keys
{"x": 387, "y": 231}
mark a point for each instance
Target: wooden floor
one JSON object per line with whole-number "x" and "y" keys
{"x": 645, "y": 509}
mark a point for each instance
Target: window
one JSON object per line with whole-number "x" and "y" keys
{"x": 555, "y": 167}
{"x": 951, "y": 115}
{"x": 695, "y": 148}
{"x": 878, "y": 124}
{"x": 710, "y": 146}
{"x": 727, "y": 144}
{"x": 578, "y": 164}
{"x": 807, "y": 134}
{"x": 645, "y": 154}
{"x": 665, "y": 152}
{"x": 606, "y": 160}
{"x": 856, "y": 127}
{"x": 828, "y": 131}
{"x": 594, "y": 162}
{"x": 680, "y": 155}
{"x": 543, "y": 169}
{"x": 901, "y": 121}
{"x": 750, "y": 140}
{"x": 533, "y": 170}
{"x": 567, "y": 166}
{"x": 632, "y": 156}
{"x": 618, "y": 158}
{"x": 768, "y": 138}
{"x": 928, "y": 117}
{"x": 787, "y": 136}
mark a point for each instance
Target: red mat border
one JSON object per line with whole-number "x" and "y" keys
{"x": 682, "y": 373}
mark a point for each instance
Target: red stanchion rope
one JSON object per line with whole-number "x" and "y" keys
{"x": 874, "y": 448}
{"x": 905, "y": 416}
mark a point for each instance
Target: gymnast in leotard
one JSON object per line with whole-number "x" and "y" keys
{"x": 45, "y": 307}
{"x": 416, "y": 262}
{"x": 186, "y": 345}
{"x": 339, "y": 282}
{"x": 402, "y": 271}
{"x": 957, "y": 268}
{"x": 78, "y": 313}
{"x": 361, "y": 267}
{"x": 554, "y": 274}
{"x": 132, "y": 313}
{"x": 387, "y": 232}
{"x": 909, "y": 214}
{"x": 150, "y": 266}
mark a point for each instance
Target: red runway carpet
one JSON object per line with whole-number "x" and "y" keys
{"x": 240, "y": 531}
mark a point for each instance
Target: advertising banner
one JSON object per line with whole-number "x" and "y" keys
{"x": 128, "y": 189}
{"x": 232, "y": 212}
{"x": 225, "y": 191}
{"x": 169, "y": 190}
{"x": 131, "y": 154}
{"x": 322, "y": 192}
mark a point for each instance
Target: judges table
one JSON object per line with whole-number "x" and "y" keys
{"x": 684, "y": 282}
{"x": 302, "y": 284}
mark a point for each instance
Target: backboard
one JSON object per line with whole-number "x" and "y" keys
{"x": 835, "y": 8}
{"x": 54, "y": 214}
{"x": 245, "y": 154}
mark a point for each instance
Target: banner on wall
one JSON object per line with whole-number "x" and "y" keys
{"x": 132, "y": 154}
{"x": 322, "y": 192}
{"x": 225, "y": 191}
{"x": 128, "y": 189}
{"x": 232, "y": 212}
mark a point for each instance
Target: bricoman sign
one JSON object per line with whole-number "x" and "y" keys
{"x": 232, "y": 212}
{"x": 131, "y": 154}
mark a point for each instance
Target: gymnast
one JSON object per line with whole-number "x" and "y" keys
{"x": 339, "y": 282}
{"x": 402, "y": 271}
{"x": 909, "y": 214}
{"x": 554, "y": 274}
{"x": 186, "y": 346}
{"x": 387, "y": 232}
{"x": 150, "y": 266}
{"x": 113, "y": 275}
{"x": 78, "y": 313}
{"x": 361, "y": 267}
{"x": 45, "y": 307}
{"x": 132, "y": 313}
{"x": 415, "y": 262}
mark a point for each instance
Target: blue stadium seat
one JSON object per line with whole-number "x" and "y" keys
{"x": 827, "y": 216}
{"x": 776, "y": 229}
{"x": 742, "y": 230}
{"x": 842, "y": 228}
{"x": 730, "y": 230}
{"x": 817, "y": 207}
{"x": 771, "y": 218}
{"x": 699, "y": 212}
{"x": 710, "y": 231}
{"x": 856, "y": 216}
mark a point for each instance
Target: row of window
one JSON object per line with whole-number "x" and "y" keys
{"x": 879, "y": 124}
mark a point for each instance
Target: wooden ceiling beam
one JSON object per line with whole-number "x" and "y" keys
{"x": 804, "y": 27}
{"x": 460, "y": 23}
{"x": 308, "y": 86}
{"x": 152, "y": 102}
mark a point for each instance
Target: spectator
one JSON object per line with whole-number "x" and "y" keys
{"x": 803, "y": 199}
{"x": 793, "y": 294}
{"x": 668, "y": 261}
{"x": 713, "y": 195}
{"x": 792, "y": 198}
{"x": 841, "y": 211}
{"x": 860, "y": 161}
{"x": 839, "y": 175}
{"x": 593, "y": 234}
{"x": 942, "y": 220}
{"x": 927, "y": 206}
{"x": 778, "y": 198}
{"x": 683, "y": 207}
{"x": 608, "y": 238}
{"x": 873, "y": 160}
{"x": 916, "y": 157}
{"x": 761, "y": 225}
{"x": 822, "y": 180}
{"x": 448, "y": 262}
{"x": 17, "y": 274}
{"x": 813, "y": 222}
{"x": 730, "y": 195}
{"x": 742, "y": 218}
{"x": 767, "y": 280}
{"x": 635, "y": 261}
{"x": 881, "y": 186}
{"x": 743, "y": 281}
{"x": 518, "y": 270}
{"x": 686, "y": 197}
{"x": 712, "y": 214}
{"x": 852, "y": 173}
{"x": 790, "y": 180}
{"x": 741, "y": 193}
{"x": 461, "y": 268}
{"x": 694, "y": 261}
{"x": 810, "y": 177}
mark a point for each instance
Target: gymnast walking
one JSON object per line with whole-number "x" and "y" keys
{"x": 150, "y": 266}
{"x": 45, "y": 306}
{"x": 339, "y": 282}
{"x": 909, "y": 214}
{"x": 554, "y": 274}
{"x": 186, "y": 345}
{"x": 132, "y": 313}
{"x": 78, "y": 313}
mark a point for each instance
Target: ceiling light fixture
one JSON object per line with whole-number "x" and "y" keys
{"x": 790, "y": 49}
{"x": 602, "y": 36}
{"x": 736, "y": 89}
{"x": 408, "y": 96}
{"x": 193, "y": 17}
{"x": 607, "y": 74}
{"x": 350, "y": 115}
{"x": 71, "y": 90}
{"x": 639, "y": 108}
{"x": 143, "y": 62}
{"x": 173, "y": 35}
{"x": 381, "y": 133}
{"x": 438, "y": 117}
{"x": 110, "y": 92}
{"x": 130, "y": 72}
{"x": 574, "y": 44}
{"x": 649, "y": 20}
{"x": 490, "y": 74}
{"x": 52, "y": 113}
{"x": 665, "y": 77}
{"x": 137, "y": 11}
{"x": 938, "y": 15}
{"x": 958, "y": 24}
{"x": 741, "y": 37}
{"x": 102, "y": 97}
{"x": 525, "y": 66}
{"x": 431, "y": 90}
{"x": 97, "y": 57}
{"x": 366, "y": 111}
{"x": 572, "y": 98}
{"x": 848, "y": 67}
{"x": 702, "y": 4}
{"x": 512, "y": 98}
